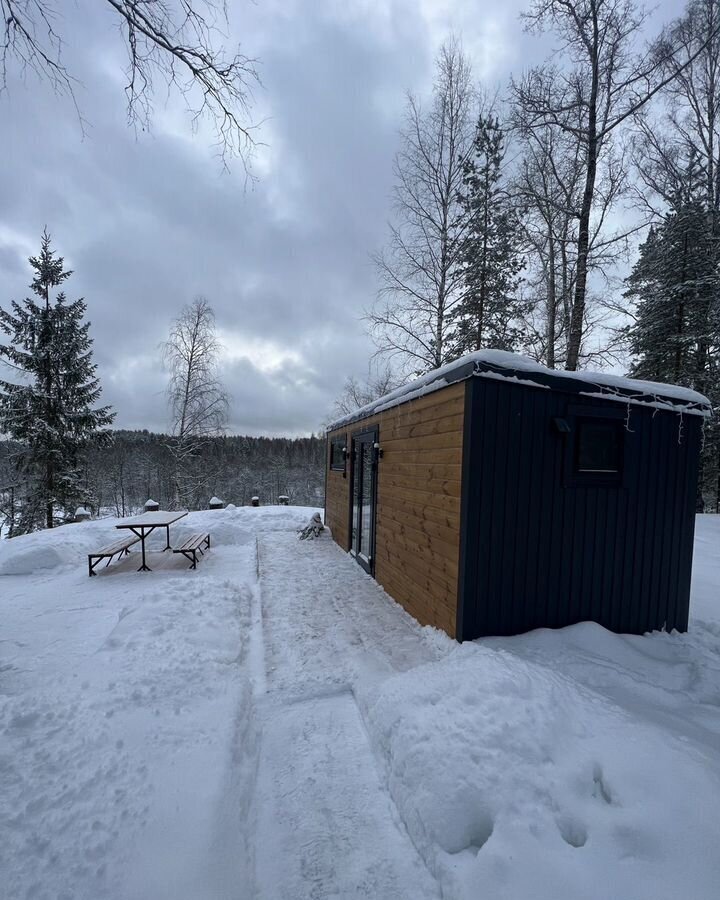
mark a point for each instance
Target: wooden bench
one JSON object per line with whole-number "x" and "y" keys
{"x": 120, "y": 547}
{"x": 192, "y": 546}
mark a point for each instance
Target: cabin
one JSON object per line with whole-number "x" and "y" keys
{"x": 494, "y": 496}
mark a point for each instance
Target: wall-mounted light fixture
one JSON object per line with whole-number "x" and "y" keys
{"x": 378, "y": 450}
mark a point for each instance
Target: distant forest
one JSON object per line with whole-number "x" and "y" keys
{"x": 137, "y": 465}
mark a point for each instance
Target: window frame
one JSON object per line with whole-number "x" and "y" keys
{"x": 575, "y": 477}
{"x": 342, "y": 443}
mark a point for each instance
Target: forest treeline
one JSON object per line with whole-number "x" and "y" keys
{"x": 118, "y": 475}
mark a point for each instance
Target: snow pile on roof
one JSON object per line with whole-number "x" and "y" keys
{"x": 512, "y": 367}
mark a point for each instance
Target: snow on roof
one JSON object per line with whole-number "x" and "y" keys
{"x": 499, "y": 364}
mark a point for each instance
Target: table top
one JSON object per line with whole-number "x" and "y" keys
{"x": 152, "y": 519}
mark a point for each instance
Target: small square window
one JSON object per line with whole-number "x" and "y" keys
{"x": 599, "y": 447}
{"x": 337, "y": 454}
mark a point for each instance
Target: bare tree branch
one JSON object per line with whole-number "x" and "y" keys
{"x": 178, "y": 42}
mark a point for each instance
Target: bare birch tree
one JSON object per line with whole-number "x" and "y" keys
{"x": 679, "y": 145}
{"x": 420, "y": 273}
{"x": 549, "y": 191}
{"x": 380, "y": 380}
{"x": 176, "y": 43}
{"x": 546, "y": 191}
{"x": 197, "y": 399}
{"x": 606, "y": 81}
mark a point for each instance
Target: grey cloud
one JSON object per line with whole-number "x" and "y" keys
{"x": 149, "y": 221}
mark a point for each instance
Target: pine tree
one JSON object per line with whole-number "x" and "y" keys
{"x": 49, "y": 406}
{"x": 489, "y": 310}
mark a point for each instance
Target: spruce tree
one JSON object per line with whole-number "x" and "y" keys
{"x": 488, "y": 314}
{"x": 675, "y": 285}
{"x": 49, "y": 405}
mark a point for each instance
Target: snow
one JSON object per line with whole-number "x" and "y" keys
{"x": 156, "y": 517}
{"x": 502, "y": 365}
{"x": 273, "y": 726}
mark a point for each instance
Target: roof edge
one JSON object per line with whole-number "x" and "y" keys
{"x": 514, "y": 368}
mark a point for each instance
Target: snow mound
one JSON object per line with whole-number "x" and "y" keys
{"x": 27, "y": 560}
{"x": 515, "y": 781}
{"x": 221, "y": 531}
{"x": 42, "y": 550}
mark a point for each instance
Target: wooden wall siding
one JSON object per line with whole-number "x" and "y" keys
{"x": 539, "y": 553}
{"x": 337, "y": 494}
{"x": 417, "y": 538}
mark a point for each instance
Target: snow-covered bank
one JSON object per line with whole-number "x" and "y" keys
{"x": 518, "y": 782}
{"x": 571, "y": 763}
{"x": 202, "y": 736}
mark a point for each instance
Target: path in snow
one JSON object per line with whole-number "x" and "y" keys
{"x": 326, "y": 823}
{"x": 327, "y": 826}
{"x": 326, "y": 622}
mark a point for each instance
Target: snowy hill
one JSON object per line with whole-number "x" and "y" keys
{"x": 215, "y": 734}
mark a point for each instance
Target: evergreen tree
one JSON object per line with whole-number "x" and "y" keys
{"x": 49, "y": 406}
{"x": 488, "y": 314}
{"x": 675, "y": 285}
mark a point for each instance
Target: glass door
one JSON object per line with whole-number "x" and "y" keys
{"x": 364, "y": 495}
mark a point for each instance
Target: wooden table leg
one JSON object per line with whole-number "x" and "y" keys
{"x": 167, "y": 529}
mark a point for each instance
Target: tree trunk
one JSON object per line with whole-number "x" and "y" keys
{"x": 551, "y": 313}
{"x": 577, "y": 318}
{"x": 483, "y": 276}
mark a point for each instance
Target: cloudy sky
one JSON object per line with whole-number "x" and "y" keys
{"x": 148, "y": 221}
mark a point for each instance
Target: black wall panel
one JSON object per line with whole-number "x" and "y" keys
{"x": 544, "y": 549}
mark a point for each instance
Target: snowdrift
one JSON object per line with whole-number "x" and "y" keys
{"x": 517, "y": 782}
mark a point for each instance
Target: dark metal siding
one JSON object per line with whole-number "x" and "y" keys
{"x": 543, "y": 551}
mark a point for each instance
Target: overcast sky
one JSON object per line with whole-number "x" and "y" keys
{"x": 148, "y": 221}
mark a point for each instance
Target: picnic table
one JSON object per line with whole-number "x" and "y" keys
{"x": 144, "y": 525}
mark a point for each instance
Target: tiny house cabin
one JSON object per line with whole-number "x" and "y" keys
{"x": 494, "y": 496}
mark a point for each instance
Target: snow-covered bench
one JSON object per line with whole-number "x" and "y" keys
{"x": 121, "y": 547}
{"x": 192, "y": 546}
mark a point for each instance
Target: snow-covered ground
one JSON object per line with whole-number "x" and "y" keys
{"x": 273, "y": 727}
